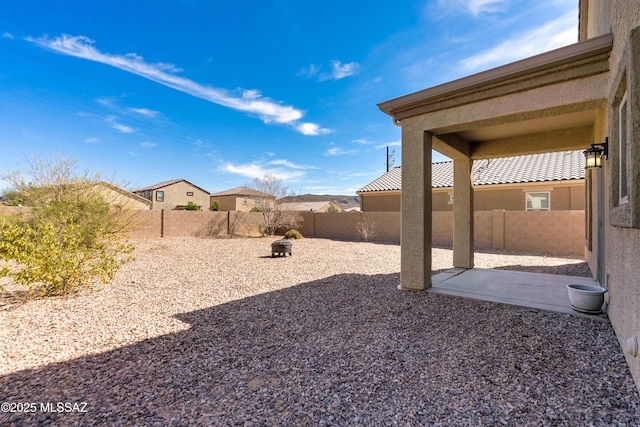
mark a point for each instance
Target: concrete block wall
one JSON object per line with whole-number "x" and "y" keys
{"x": 558, "y": 232}
{"x": 552, "y": 231}
{"x": 247, "y": 224}
{"x": 150, "y": 225}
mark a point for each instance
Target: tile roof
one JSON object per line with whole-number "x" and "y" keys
{"x": 166, "y": 184}
{"x": 241, "y": 191}
{"x": 558, "y": 166}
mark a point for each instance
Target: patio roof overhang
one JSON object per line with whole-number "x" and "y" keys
{"x": 548, "y": 102}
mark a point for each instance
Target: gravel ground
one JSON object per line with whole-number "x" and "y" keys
{"x": 216, "y": 332}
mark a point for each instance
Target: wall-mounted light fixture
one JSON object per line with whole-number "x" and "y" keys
{"x": 593, "y": 155}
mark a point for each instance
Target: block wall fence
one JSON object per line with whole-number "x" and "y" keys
{"x": 557, "y": 232}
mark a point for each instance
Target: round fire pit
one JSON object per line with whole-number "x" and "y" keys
{"x": 281, "y": 247}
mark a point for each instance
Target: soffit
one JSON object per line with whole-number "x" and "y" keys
{"x": 519, "y": 128}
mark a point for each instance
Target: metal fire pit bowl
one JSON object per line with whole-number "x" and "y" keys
{"x": 281, "y": 247}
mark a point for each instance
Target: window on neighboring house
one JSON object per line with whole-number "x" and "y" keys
{"x": 189, "y": 193}
{"x": 159, "y": 196}
{"x": 538, "y": 201}
{"x": 624, "y": 158}
{"x": 244, "y": 200}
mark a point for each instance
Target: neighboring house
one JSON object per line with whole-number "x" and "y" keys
{"x": 311, "y": 206}
{"x": 583, "y": 95}
{"x": 175, "y": 194}
{"x": 549, "y": 181}
{"x": 241, "y": 199}
{"x": 122, "y": 198}
{"x": 115, "y": 195}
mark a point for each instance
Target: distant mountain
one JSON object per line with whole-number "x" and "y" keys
{"x": 345, "y": 202}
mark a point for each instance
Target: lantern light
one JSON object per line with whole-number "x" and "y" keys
{"x": 593, "y": 155}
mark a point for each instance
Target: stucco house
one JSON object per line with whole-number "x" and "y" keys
{"x": 240, "y": 199}
{"x": 174, "y": 194}
{"x": 122, "y": 198}
{"x": 546, "y": 181}
{"x": 582, "y": 96}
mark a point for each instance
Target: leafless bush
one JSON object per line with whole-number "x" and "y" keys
{"x": 366, "y": 228}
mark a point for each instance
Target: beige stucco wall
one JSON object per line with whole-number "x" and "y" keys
{"x": 176, "y": 195}
{"x": 565, "y": 195}
{"x": 621, "y": 273}
{"x": 384, "y": 201}
{"x": 236, "y": 203}
{"x": 123, "y": 199}
{"x": 227, "y": 203}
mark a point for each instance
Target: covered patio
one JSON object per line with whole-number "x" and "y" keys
{"x": 550, "y": 102}
{"x": 547, "y": 292}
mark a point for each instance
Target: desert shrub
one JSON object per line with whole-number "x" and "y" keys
{"x": 332, "y": 209}
{"x": 257, "y": 209}
{"x": 366, "y": 228}
{"x": 73, "y": 234}
{"x": 54, "y": 259}
{"x": 293, "y": 234}
{"x": 215, "y": 206}
{"x": 192, "y": 207}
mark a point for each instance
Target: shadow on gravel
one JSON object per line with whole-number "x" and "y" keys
{"x": 346, "y": 350}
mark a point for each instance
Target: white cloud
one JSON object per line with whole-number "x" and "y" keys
{"x": 7, "y": 35}
{"x": 474, "y": 7}
{"x": 147, "y": 144}
{"x": 312, "y": 129}
{"x": 552, "y": 35}
{"x": 92, "y": 140}
{"x": 290, "y": 164}
{"x": 340, "y": 70}
{"x": 119, "y": 126}
{"x": 311, "y": 71}
{"x": 335, "y": 151}
{"x": 388, "y": 144}
{"x": 144, "y": 112}
{"x": 253, "y": 170}
{"x": 248, "y": 101}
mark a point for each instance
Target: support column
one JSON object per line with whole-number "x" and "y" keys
{"x": 462, "y": 213}
{"x": 415, "y": 237}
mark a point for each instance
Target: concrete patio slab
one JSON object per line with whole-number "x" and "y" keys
{"x": 534, "y": 290}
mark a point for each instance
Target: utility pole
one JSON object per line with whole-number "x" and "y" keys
{"x": 390, "y": 158}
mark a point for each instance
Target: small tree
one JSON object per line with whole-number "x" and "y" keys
{"x": 72, "y": 233}
{"x": 275, "y": 217}
{"x": 191, "y": 206}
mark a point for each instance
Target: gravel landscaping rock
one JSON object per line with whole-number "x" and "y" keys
{"x": 217, "y": 332}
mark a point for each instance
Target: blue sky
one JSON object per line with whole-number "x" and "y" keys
{"x": 219, "y": 92}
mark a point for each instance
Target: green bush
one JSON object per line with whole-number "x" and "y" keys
{"x": 293, "y": 234}
{"x": 72, "y": 235}
{"x": 257, "y": 209}
{"x": 216, "y": 206}
{"x": 192, "y": 207}
{"x": 57, "y": 258}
